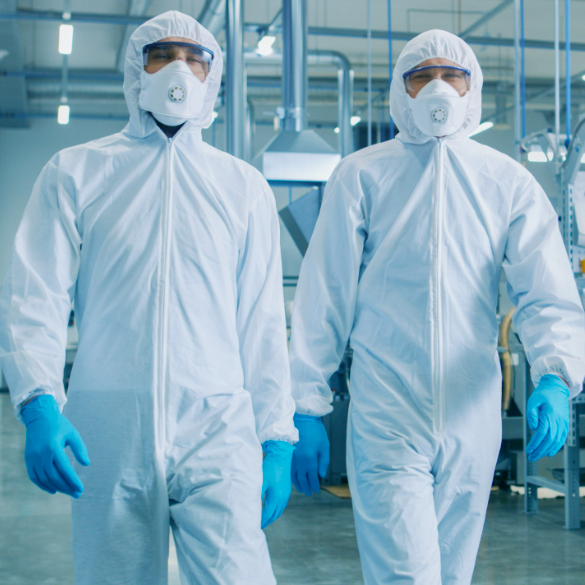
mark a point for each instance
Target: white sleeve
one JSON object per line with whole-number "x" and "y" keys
{"x": 261, "y": 323}
{"x": 549, "y": 315}
{"x": 325, "y": 299}
{"x": 35, "y": 301}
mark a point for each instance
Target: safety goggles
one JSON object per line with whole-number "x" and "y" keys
{"x": 459, "y": 78}
{"x": 156, "y": 55}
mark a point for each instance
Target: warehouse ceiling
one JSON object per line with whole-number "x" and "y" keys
{"x": 30, "y": 65}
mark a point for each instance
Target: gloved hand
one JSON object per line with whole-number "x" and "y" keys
{"x": 48, "y": 432}
{"x": 275, "y": 479}
{"x": 311, "y": 456}
{"x": 547, "y": 412}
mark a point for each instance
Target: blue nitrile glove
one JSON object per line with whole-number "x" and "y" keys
{"x": 547, "y": 412}
{"x": 275, "y": 479}
{"x": 48, "y": 432}
{"x": 311, "y": 456}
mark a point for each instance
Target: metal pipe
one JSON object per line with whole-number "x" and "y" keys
{"x": 250, "y": 129}
{"x": 65, "y": 61}
{"x": 390, "y": 63}
{"x": 89, "y": 17}
{"x": 369, "y": 67}
{"x": 557, "y": 82}
{"x": 345, "y": 94}
{"x": 523, "y": 69}
{"x": 506, "y": 358}
{"x": 294, "y": 65}
{"x": 64, "y": 79}
{"x": 517, "y": 96}
{"x": 235, "y": 93}
{"x": 213, "y": 15}
{"x": 568, "y": 69}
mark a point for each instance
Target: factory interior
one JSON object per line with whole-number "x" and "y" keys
{"x": 61, "y": 85}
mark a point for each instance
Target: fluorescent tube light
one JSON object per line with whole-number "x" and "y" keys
{"x": 537, "y": 156}
{"x": 265, "y": 45}
{"x": 482, "y": 128}
{"x": 65, "y": 39}
{"x": 63, "y": 114}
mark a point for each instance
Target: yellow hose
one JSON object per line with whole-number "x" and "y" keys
{"x": 506, "y": 358}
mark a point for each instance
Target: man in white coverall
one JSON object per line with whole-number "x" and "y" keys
{"x": 405, "y": 260}
{"x": 170, "y": 250}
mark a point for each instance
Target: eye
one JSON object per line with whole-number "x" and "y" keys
{"x": 160, "y": 54}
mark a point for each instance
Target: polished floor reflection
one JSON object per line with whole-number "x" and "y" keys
{"x": 313, "y": 544}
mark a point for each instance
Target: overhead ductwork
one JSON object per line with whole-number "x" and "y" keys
{"x": 213, "y": 15}
{"x": 295, "y": 153}
{"x": 345, "y": 77}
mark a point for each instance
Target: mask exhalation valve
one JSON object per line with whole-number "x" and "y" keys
{"x": 439, "y": 115}
{"x": 177, "y": 93}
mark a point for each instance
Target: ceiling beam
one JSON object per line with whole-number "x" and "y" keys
{"x": 259, "y": 27}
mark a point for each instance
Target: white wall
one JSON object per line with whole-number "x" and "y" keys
{"x": 23, "y": 153}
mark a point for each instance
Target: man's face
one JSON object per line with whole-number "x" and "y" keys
{"x": 454, "y": 77}
{"x": 198, "y": 60}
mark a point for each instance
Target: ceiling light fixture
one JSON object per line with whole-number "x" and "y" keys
{"x": 65, "y": 39}
{"x": 63, "y": 114}
{"x": 482, "y": 128}
{"x": 265, "y": 45}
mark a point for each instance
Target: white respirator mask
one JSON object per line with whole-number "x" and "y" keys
{"x": 172, "y": 95}
{"x": 438, "y": 109}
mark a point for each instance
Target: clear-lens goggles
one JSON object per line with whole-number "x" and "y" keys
{"x": 457, "y": 77}
{"x": 156, "y": 55}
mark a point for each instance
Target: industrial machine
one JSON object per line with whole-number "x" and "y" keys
{"x": 564, "y": 162}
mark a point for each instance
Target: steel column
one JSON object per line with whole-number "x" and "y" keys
{"x": 235, "y": 94}
{"x": 294, "y": 65}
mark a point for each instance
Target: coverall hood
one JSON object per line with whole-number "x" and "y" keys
{"x": 169, "y": 24}
{"x": 430, "y": 45}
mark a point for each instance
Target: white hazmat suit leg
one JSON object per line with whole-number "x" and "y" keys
{"x": 405, "y": 262}
{"x": 170, "y": 250}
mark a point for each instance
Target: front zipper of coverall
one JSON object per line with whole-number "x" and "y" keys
{"x": 436, "y": 297}
{"x": 164, "y": 272}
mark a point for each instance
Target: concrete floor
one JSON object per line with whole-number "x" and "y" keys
{"x": 313, "y": 543}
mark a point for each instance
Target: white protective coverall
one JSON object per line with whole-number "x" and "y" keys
{"x": 170, "y": 249}
{"x": 405, "y": 260}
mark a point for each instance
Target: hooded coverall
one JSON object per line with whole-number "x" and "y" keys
{"x": 405, "y": 262}
{"x": 170, "y": 250}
